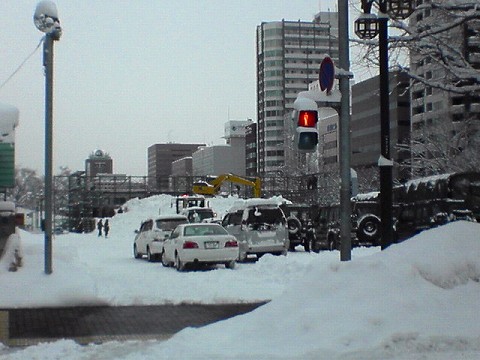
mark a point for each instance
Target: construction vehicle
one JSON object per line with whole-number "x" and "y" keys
{"x": 187, "y": 201}
{"x": 213, "y": 186}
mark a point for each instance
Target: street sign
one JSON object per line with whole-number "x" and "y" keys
{"x": 326, "y": 74}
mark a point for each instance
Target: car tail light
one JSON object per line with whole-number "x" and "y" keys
{"x": 231, "y": 243}
{"x": 190, "y": 245}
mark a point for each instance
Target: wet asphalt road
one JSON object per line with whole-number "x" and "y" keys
{"x": 97, "y": 324}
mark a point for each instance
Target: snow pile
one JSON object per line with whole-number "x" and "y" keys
{"x": 415, "y": 300}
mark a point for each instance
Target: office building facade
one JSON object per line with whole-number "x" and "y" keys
{"x": 160, "y": 159}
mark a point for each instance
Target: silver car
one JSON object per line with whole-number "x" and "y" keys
{"x": 260, "y": 227}
{"x": 199, "y": 243}
{"x": 152, "y": 233}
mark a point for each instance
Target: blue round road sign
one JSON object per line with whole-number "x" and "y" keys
{"x": 327, "y": 74}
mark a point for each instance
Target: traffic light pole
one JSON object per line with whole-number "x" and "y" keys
{"x": 344, "y": 129}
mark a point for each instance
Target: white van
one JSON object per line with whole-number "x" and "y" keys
{"x": 259, "y": 225}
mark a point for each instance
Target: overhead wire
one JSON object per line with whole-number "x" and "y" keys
{"x": 23, "y": 63}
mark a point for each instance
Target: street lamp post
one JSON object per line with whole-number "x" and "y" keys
{"x": 46, "y": 20}
{"x": 368, "y": 26}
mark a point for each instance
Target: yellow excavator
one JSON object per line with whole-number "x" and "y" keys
{"x": 212, "y": 187}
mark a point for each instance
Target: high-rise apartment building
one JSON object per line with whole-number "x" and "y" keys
{"x": 289, "y": 54}
{"x": 435, "y": 112}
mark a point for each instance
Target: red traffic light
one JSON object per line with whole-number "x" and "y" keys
{"x": 307, "y": 118}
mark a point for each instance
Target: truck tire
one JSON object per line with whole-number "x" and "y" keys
{"x": 369, "y": 230}
{"x": 294, "y": 225}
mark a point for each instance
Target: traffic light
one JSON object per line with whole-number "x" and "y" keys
{"x": 307, "y": 133}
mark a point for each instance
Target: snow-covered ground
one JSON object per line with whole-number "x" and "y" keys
{"x": 415, "y": 300}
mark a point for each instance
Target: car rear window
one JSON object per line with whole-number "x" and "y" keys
{"x": 265, "y": 215}
{"x": 204, "y": 230}
{"x": 169, "y": 225}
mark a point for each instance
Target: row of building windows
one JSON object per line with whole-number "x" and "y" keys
{"x": 273, "y": 43}
{"x": 427, "y": 107}
{"x": 273, "y": 163}
{"x": 273, "y": 123}
{"x": 305, "y": 31}
{"x": 271, "y": 63}
{"x": 271, "y": 103}
{"x": 273, "y": 73}
{"x": 271, "y": 93}
{"x": 271, "y": 113}
{"x": 272, "y": 32}
{"x": 275, "y": 152}
{"x": 419, "y": 94}
{"x": 273, "y": 53}
{"x": 274, "y": 143}
{"x": 274, "y": 83}
{"x": 273, "y": 133}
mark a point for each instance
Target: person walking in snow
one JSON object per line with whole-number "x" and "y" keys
{"x": 100, "y": 227}
{"x": 106, "y": 228}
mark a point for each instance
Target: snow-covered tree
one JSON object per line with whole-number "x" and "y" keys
{"x": 438, "y": 41}
{"x": 438, "y": 48}
{"x": 28, "y": 189}
{"x": 444, "y": 147}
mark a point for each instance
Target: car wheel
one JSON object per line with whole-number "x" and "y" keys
{"x": 179, "y": 265}
{"x": 230, "y": 264}
{"x": 369, "y": 230}
{"x": 164, "y": 259}
{"x": 136, "y": 254}
{"x": 150, "y": 256}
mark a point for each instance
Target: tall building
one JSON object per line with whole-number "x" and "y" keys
{"x": 251, "y": 149}
{"x": 436, "y": 113}
{"x": 99, "y": 162}
{"x": 289, "y": 54}
{"x": 160, "y": 158}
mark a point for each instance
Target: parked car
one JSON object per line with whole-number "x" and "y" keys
{"x": 199, "y": 243}
{"x": 260, "y": 227}
{"x": 152, "y": 233}
{"x": 196, "y": 214}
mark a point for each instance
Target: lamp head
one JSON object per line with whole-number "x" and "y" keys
{"x": 46, "y": 20}
{"x": 367, "y": 26}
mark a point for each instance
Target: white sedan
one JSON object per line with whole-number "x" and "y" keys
{"x": 200, "y": 243}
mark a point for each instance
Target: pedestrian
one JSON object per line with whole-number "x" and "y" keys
{"x": 106, "y": 228}
{"x": 100, "y": 227}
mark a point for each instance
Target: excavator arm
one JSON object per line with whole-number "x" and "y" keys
{"x": 213, "y": 187}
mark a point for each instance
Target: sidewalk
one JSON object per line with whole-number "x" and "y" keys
{"x": 97, "y": 324}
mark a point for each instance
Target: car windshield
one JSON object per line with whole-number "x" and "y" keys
{"x": 169, "y": 224}
{"x": 196, "y": 230}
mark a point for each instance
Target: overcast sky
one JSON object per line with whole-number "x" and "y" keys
{"x": 132, "y": 73}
